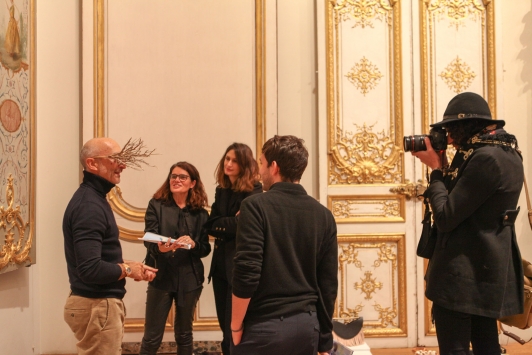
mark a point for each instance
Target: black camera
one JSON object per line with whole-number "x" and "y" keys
{"x": 437, "y": 136}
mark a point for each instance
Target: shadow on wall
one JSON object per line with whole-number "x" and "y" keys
{"x": 15, "y": 289}
{"x": 526, "y": 53}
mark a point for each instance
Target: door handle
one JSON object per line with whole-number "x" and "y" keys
{"x": 410, "y": 190}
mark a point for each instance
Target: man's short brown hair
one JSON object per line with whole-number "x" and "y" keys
{"x": 289, "y": 153}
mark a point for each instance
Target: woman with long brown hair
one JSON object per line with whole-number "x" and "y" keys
{"x": 237, "y": 176}
{"x": 176, "y": 211}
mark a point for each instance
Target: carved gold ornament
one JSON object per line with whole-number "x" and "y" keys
{"x": 364, "y": 75}
{"x": 387, "y": 315}
{"x": 351, "y": 313}
{"x": 368, "y": 285}
{"x": 349, "y": 255}
{"x": 348, "y": 209}
{"x": 388, "y": 319}
{"x": 14, "y": 250}
{"x": 363, "y": 12}
{"x": 458, "y": 76}
{"x": 458, "y": 10}
{"x": 364, "y": 158}
{"x": 386, "y": 253}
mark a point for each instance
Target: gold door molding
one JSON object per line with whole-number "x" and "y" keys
{"x": 372, "y": 277}
{"x": 363, "y": 148}
{"x": 367, "y": 208}
{"x": 474, "y": 22}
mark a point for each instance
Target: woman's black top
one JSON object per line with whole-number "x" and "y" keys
{"x": 222, "y": 225}
{"x": 182, "y": 270}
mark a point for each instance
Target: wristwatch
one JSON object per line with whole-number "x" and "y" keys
{"x": 127, "y": 269}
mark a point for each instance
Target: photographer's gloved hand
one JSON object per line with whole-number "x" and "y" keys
{"x": 430, "y": 157}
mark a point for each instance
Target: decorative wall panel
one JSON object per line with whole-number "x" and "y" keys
{"x": 364, "y": 88}
{"x": 372, "y": 278}
{"x": 457, "y": 53}
{"x": 367, "y": 208}
{"x": 175, "y": 108}
{"x": 17, "y": 135}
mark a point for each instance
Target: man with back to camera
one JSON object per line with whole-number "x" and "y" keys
{"x": 94, "y": 309}
{"x": 285, "y": 276}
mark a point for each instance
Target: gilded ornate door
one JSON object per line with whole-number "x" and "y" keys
{"x": 387, "y": 69}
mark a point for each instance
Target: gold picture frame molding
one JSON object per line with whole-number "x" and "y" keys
{"x": 117, "y": 202}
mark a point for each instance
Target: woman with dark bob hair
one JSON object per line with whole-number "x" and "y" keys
{"x": 177, "y": 211}
{"x": 237, "y": 176}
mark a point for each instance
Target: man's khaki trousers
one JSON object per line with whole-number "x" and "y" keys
{"x": 97, "y": 323}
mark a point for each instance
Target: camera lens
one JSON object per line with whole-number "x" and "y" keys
{"x": 414, "y": 143}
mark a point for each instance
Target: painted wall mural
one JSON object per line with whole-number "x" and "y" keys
{"x": 17, "y": 188}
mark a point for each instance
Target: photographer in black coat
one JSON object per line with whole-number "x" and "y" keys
{"x": 475, "y": 275}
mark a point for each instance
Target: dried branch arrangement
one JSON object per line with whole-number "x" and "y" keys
{"x": 133, "y": 154}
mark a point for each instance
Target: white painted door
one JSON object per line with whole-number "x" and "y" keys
{"x": 387, "y": 69}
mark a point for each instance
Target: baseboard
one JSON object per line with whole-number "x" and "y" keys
{"x": 200, "y": 348}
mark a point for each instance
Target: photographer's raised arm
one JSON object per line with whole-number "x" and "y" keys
{"x": 430, "y": 157}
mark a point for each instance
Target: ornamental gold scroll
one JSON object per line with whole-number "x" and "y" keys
{"x": 14, "y": 249}
{"x": 364, "y": 157}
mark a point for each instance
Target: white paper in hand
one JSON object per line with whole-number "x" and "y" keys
{"x": 156, "y": 238}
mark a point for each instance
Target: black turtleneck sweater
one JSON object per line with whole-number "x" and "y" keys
{"x": 92, "y": 247}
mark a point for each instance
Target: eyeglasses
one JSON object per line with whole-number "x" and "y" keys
{"x": 181, "y": 177}
{"x": 110, "y": 157}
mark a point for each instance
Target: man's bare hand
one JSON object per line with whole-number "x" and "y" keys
{"x": 138, "y": 271}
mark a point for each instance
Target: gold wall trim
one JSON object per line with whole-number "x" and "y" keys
{"x": 115, "y": 198}
{"x": 492, "y": 70}
{"x": 260, "y": 74}
{"x": 430, "y": 329}
{"x": 124, "y": 209}
{"x": 33, "y": 146}
{"x": 392, "y": 318}
{"x": 130, "y": 235}
{"x": 336, "y": 11}
{"x": 387, "y": 208}
{"x": 99, "y": 78}
{"x": 427, "y": 54}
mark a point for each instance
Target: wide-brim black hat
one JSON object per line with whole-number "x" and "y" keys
{"x": 467, "y": 106}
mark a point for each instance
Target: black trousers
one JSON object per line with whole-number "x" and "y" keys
{"x": 456, "y": 330}
{"x": 158, "y": 304}
{"x": 295, "y": 335}
{"x": 223, "y": 294}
